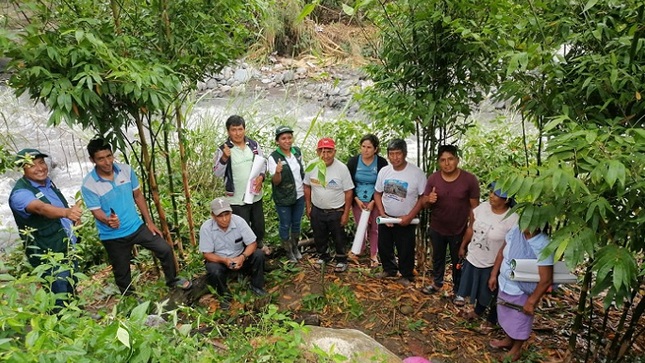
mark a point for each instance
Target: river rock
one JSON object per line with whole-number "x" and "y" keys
{"x": 243, "y": 75}
{"x": 288, "y": 76}
{"x": 353, "y": 344}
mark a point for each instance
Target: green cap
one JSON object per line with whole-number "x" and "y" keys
{"x": 27, "y": 155}
{"x": 281, "y": 130}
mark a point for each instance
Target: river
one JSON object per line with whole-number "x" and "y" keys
{"x": 25, "y": 125}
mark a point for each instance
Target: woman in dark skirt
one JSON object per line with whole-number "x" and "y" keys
{"x": 483, "y": 240}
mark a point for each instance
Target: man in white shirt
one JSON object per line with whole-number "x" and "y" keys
{"x": 328, "y": 203}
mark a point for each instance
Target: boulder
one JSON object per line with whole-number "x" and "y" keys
{"x": 355, "y": 345}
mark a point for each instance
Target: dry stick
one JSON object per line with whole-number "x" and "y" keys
{"x": 420, "y": 307}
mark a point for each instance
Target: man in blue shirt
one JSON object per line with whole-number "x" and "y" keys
{"x": 44, "y": 218}
{"x": 111, "y": 191}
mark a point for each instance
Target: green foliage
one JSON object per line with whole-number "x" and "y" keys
{"x": 31, "y": 333}
{"x": 576, "y": 70}
{"x": 437, "y": 60}
{"x": 336, "y": 297}
{"x": 280, "y": 28}
{"x": 273, "y": 337}
{"x": 486, "y": 148}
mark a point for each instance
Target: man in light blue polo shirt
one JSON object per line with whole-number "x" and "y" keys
{"x": 228, "y": 244}
{"x": 111, "y": 191}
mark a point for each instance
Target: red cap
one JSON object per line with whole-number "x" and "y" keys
{"x": 326, "y": 143}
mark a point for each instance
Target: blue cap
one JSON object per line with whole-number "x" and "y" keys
{"x": 501, "y": 194}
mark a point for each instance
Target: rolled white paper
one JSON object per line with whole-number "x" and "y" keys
{"x": 530, "y": 266}
{"x": 560, "y": 278}
{"x": 386, "y": 220}
{"x": 360, "y": 231}
{"x": 259, "y": 167}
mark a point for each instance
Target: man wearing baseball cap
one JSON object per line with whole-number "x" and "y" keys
{"x": 44, "y": 218}
{"x": 229, "y": 244}
{"x": 328, "y": 200}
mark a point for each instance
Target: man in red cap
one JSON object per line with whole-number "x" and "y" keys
{"x": 328, "y": 200}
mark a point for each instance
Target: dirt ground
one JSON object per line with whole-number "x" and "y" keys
{"x": 410, "y": 323}
{"x": 402, "y": 318}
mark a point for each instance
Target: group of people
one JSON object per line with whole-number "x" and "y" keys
{"x": 484, "y": 236}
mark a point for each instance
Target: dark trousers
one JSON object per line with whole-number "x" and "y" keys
{"x": 217, "y": 273}
{"x": 440, "y": 244}
{"x": 492, "y": 309}
{"x": 399, "y": 238}
{"x": 119, "y": 252}
{"x": 62, "y": 280}
{"x": 253, "y": 214}
{"x": 326, "y": 224}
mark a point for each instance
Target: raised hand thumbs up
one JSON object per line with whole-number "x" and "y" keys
{"x": 432, "y": 197}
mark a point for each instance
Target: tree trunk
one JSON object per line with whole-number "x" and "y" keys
{"x": 184, "y": 175}
{"x": 582, "y": 302}
{"x": 154, "y": 188}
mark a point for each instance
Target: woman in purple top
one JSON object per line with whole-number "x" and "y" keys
{"x": 364, "y": 169}
{"x": 452, "y": 194}
{"x": 516, "y": 301}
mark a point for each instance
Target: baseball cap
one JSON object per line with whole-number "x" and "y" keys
{"x": 501, "y": 194}
{"x": 219, "y": 205}
{"x": 281, "y": 130}
{"x": 326, "y": 143}
{"x": 25, "y": 155}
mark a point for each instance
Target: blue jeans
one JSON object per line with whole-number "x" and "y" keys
{"x": 290, "y": 218}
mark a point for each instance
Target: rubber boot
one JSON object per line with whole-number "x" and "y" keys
{"x": 286, "y": 244}
{"x": 295, "y": 238}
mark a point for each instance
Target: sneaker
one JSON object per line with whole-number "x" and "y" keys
{"x": 459, "y": 301}
{"x": 430, "y": 289}
{"x": 258, "y": 291}
{"x": 340, "y": 267}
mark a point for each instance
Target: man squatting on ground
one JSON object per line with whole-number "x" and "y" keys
{"x": 228, "y": 244}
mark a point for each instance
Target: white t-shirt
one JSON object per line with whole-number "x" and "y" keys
{"x": 400, "y": 189}
{"x": 489, "y": 230}
{"x": 338, "y": 181}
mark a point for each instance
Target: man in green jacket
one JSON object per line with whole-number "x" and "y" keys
{"x": 44, "y": 218}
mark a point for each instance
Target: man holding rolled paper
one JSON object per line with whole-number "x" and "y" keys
{"x": 240, "y": 161}
{"x": 398, "y": 190}
{"x": 516, "y": 301}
